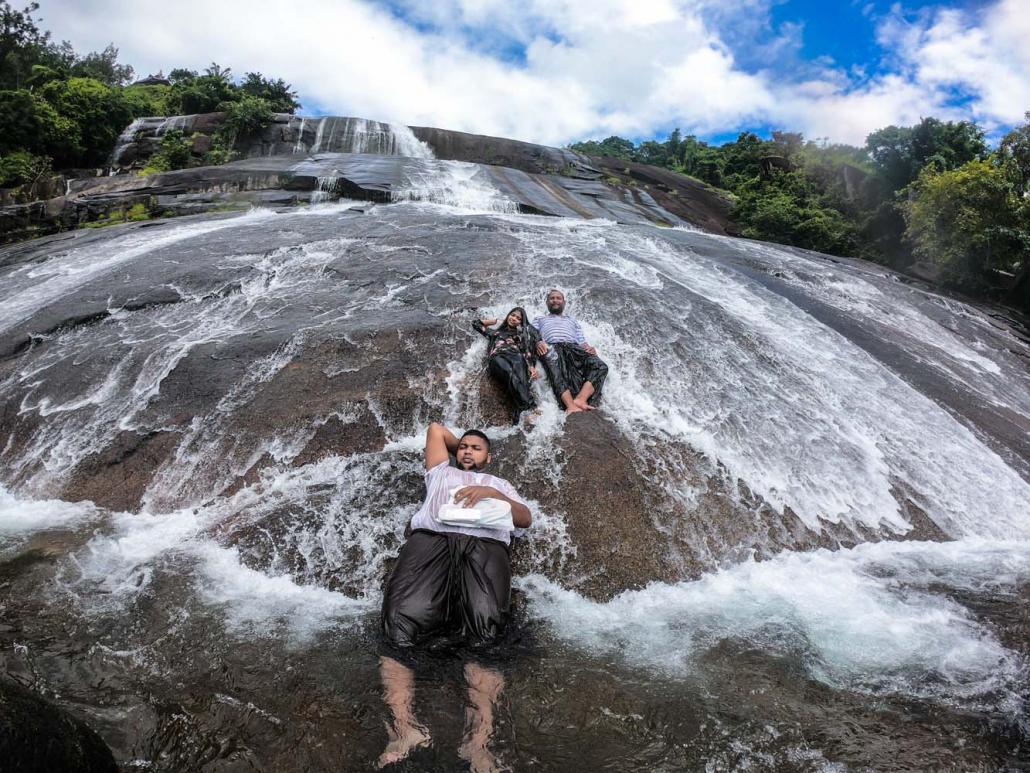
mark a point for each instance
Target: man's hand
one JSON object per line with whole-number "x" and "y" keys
{"x": 589, "y": 349}
{"x": 470, "y": 495}
{"x": 541, "y": 348}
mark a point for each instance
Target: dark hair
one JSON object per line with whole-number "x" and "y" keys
{"x": 520, "y": 310}
{"x": 476, "y": 433}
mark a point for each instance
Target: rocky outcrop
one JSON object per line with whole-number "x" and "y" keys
{"x": 38, "y": 737}
{"x": 297, "y": 160}
{"x": 291, "y": 180}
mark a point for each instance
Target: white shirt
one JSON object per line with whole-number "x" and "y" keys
{"x": 440, "y": 480}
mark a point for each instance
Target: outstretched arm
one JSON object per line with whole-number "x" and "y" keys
{"x": 440, "y": 442}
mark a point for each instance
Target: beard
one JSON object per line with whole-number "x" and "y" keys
{"x": 556, "y": 308}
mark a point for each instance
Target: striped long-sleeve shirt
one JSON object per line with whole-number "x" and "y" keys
{"x": 559, "y": 329}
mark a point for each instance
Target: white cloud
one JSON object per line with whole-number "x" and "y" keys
{"x": 591, "y": 67}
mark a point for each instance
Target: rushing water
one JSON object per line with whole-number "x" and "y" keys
{"x": 220, "y": 612}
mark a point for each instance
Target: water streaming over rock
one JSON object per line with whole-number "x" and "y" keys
{"x": 211, "y": 444}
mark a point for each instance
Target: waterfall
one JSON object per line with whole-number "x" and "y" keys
{"x": 298, "y": 146}
{"x": 327, "y": 186}
{"x": 334, "y": 134}
{"x": 212, "y": 443}
{"x": 453, "y": 183}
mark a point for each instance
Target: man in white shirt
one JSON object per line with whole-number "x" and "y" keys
{"x": 575, "y": 371}
{"x": 450, "y": 579}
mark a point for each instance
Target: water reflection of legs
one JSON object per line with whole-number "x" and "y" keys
{"x": 485, "y": 687}
{"x": 407, "y": 733}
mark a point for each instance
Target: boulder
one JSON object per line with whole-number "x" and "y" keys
{"x": 38, "y": 737}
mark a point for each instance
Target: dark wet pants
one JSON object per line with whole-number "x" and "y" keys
{"x": 569, "y": 367}
{"x": 447, "y": 583}
{"x": 512, "y": 371}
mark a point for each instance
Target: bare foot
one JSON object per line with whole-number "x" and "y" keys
{"x": 480, "y": 758}
{"x": 573, "y": 409}
{"x": 531, "y": 416}
{"x": 403, "y": 741}
{"x": 583, "y": 405}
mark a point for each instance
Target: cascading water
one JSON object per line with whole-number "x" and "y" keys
{"x": 244, "y": 399}
{"x": 426, "y": 179}
{"x": 334, "y": 134}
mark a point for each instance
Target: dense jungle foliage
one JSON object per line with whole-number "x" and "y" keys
{"x": 933, "y": 192}
{"x": 61, "y": 110}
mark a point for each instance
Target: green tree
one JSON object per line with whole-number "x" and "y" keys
{"x": 176, "y": 152}
{"x": 277, "y": 93}
{"x": 99, "y": 112}
{"x": 207, "y": 93}
{"x": 31, "y": 123}
{"x": 699, "y": 159}
{"x": 742, "y": 159}
{"x": 147, "y": 100}
{"x": 21, "y": 44}
{"x": 103, "y": 66}
{"x": 969, "y": 221}
{"x": 788, "y": 208}
{"x": 618, "y": 147}
{"x": 1014, "y": 151}
{"x": 900, "y": 153}
{"x": 21, "y": 167}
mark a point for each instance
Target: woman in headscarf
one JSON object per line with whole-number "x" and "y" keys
{"x": 511, "y": 356}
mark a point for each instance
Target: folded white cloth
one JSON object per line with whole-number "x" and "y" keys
{"x": 485, "y": 514}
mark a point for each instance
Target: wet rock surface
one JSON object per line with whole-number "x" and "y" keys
{"x": 38, "y": 737}
{"x": 296, "y": 161}
{"x": 244, "y": 397}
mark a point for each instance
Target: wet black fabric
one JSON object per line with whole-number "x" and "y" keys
{"x": 511, "y": 352}
{"x": 512, "y": 372}
{"x": 447, "y": 583}
{"x": 522, "y": 339}
{"x": 570, "y": 366}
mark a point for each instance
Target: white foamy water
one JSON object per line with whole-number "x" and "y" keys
{"x": 20, "y": 517}
{"x": 359, "y": 135}
{"x": 30, "y": 287}
{"x": 699, "y": 355}
{"x": 877, "y": 618}
{"x": 959, "y": 340}
{"x": 459, "y": 184}
{"x": 807, "y": 419}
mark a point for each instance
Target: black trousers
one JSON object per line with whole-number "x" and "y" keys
{"x": 448, "y": 583}
{"x": 512, "y": 371}
{"x": 569, "y": 367}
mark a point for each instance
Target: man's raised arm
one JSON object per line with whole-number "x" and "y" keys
{"x": 440, "y": 442}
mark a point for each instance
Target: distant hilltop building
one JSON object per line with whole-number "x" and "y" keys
{"x": 154, "y": 80}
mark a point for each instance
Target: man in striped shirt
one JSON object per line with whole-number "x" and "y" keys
{"x": 575, "y": 371}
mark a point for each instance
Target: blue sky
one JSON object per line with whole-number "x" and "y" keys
{"x": 556, "y": 71}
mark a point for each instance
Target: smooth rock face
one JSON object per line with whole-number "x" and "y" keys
{"x": 38, "y": 737}
{"x": 308, "y": 160}
{"x": 211, "y": 433}
{"x": 216, "y": 355}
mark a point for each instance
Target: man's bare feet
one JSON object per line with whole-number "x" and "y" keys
{"x": 573, "y": 409}
{"x": 479, "y": 757}
{"x": 583, "y": 405}
{"x": 403, "y": 741}
{"x": 530, "y": 417}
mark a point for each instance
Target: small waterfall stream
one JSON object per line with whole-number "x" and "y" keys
{"x": 248, "y": 396}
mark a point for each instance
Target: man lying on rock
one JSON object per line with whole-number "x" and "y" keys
{"x": 453, "y": 580}
{"x": 575, "y": 371}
